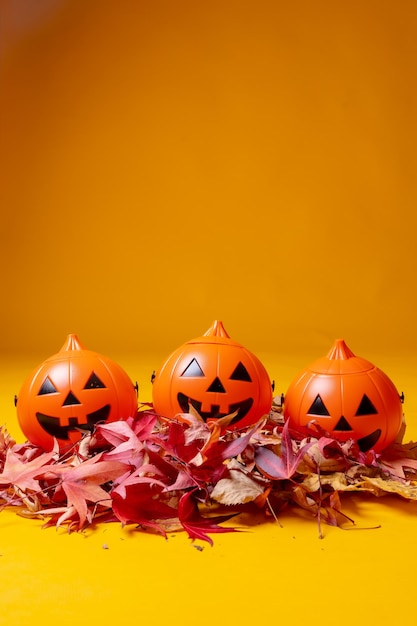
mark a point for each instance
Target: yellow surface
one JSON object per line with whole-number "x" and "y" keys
{"x": 361, "y": 574}
{"x": 168, "y": 163}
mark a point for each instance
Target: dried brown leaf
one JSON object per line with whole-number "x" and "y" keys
{"x": 313, "y": 482}
{"x": 315, "y": 458}
{"x": 238, "y": 487}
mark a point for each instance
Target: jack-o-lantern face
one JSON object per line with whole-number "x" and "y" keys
{"x": 348, "y": 397}
{"x": 72, "y": 392}
{"x": 217, "y": 377}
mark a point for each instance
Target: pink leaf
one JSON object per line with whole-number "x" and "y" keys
{"x": 143, "y": 424}
{"x": 396, "y": 460}
{"x": 116, "y": 433}
{"x": 82, "y": 483}
{"x": 284, "y": 466}
{"x": 22, "y": 474}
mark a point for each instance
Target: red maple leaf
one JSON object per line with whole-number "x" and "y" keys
{"x": 180, "y": 442}
{"x": 221, "y": 450}
{"x": 195, "y": 524}
{"x": 143, "y": 505}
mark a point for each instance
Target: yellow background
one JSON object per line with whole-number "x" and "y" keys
{"x": 168, "y": 163}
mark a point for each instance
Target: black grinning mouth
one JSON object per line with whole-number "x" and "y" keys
{"x": 368, "y": 442}
{"x": 52, "y": 425}
{"x": 242, "y": 408}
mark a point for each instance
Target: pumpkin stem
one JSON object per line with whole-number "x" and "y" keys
{"x": 339, "y": 350}
{"x": 216, "y": 330}
{"x": 72, "y": 343}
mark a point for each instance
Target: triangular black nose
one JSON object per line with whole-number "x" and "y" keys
{"x": 343, "y": 424}
{"x": 216, "y": 386}
{"x": 70, "y": 399}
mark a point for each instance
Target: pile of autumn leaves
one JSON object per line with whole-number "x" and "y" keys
{"x": 167, "y": 475}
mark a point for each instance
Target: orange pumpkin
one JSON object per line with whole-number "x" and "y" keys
{"x": 348, "y": 397}
{"x": 217, "y": 377}
{"x": 70, "y": 393}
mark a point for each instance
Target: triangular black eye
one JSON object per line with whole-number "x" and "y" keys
{"x": 70, "y": 400}
{"x": 193, "y": 369}
{"x": 94, "y": 382}
{"x": 216, "y": 386}
{"x": 241, "y": 373}
{"x": 47, "y": 387}
{"x": 366, "y": 407}
{"x": 343, "y": 425}
{"x": 318, "y": 407}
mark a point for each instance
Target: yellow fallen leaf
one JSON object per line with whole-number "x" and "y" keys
{"x": 380, "y": 486}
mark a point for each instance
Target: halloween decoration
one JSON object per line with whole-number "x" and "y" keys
{"x": 215, "y": 376}
{"x": 70, "y": 393}
{"x": 348, "y": 397}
